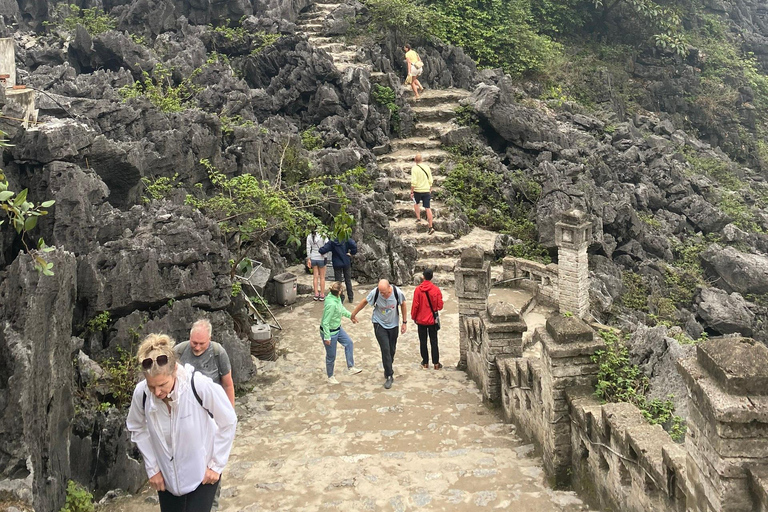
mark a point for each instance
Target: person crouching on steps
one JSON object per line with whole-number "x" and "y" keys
{"x": 427, "y": 301}
{"x": 184, "y": 426}
{"x": 331, "y": 332}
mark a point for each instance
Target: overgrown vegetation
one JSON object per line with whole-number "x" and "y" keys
{"x": 618, "y": 380}
{"x": 466, "y": 116}
{"x": 99, "y": 322}
{"x": 250, "y": 210}
{"x": 159, "y": 188}
{"x": 78, "y": 499}
{"x": 161, "y": 91}
{"x": 482, "y": 192}
{"x": 122, "y": 376}
{"x": 68, "y": 16}
{"x": 386, "y": 97}
{"x": 23, "y": 216}
{"x": 311, "y": 140}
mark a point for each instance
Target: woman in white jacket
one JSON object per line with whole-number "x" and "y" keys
{"x": 184, "y": 426}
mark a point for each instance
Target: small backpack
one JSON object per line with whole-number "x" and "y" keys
{"x": 394, "y": 290}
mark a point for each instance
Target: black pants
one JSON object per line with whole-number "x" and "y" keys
{"x": 432, "y": 331}
{"x": 199, "y": 500}
{"x": 387, "y": 339}
{"x": 337, "y": 271}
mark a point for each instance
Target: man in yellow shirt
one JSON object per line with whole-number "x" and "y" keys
{"x": 421, "y": 189}
{"x": 415, "y": 67}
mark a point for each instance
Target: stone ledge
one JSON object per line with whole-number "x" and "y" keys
{"x": 721, "y": 405}
{"x": 569, "y": 329}
{"x": 558, "y": 351}
{"x": 740, "y": 365}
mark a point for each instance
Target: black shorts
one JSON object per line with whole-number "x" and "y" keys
{"x": 423, "y": 197}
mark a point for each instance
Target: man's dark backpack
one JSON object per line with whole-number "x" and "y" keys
{"x": 394, "y": 290}
{"x": 194, "y": 391}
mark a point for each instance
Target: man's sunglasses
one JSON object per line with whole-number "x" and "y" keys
{"x": 160, "y": 360}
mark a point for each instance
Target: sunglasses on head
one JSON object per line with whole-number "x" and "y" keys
{"x": 160, "y": 360}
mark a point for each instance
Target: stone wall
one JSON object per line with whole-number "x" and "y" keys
{"x": 537, "y": 278}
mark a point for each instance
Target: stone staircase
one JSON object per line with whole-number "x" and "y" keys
{"x": 434, "y": 113}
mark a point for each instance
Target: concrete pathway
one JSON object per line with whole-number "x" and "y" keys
{"x": 428, "y": 443}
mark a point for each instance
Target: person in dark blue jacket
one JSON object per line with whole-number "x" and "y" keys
{"x": 340, "y": 252}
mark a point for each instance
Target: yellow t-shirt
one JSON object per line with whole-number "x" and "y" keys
{"x": 411, "y": 56}
{"x": 421, "y": 178}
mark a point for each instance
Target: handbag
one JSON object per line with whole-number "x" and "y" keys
{"x": 435, "y": 314}
{"x": 416, "y": 68}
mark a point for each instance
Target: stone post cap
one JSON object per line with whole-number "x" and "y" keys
{"x": 739, "y": 365}
{"x": 503, "y": 312}
{"x": 472, "y": 257}
{"x": 574, "y": 217}
{"x": 569, "y": 329}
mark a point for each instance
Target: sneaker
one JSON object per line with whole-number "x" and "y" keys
{"x": 431, "y": 231}
{"x": 353, "y": 370}
{"x": 388, "y": 382}
{"x": 418, "y": 221}
{"x": 438, "y": 366}
{"x": 332, "y": 380}
{"x": 316, "y": 297}
{"x": 322, "y": 297}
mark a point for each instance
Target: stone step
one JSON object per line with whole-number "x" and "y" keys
{"x": 320, "y": 40}
{"x": 408, "y": 226}
{"x": 434, "y": 97}
{"x": 436, "y": 264}
{"x": 404, "y": 209}
{"x": 438, "y": 278}
{"x": 440, "y": 113}
{"x": 417, "y": 239}
{"x": 332, "y": 48}
{"x": 429, "y": 130}
{"x": 405, "y": 157}
{"x": 312, "y": 27}
{"x": 404, "y": 194}
{"x": 343, "y": 66}
{"x": 415, "y": 144}
{"x": 477, "y": 236}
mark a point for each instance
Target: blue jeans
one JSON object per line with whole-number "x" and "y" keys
{"x": 342, "y": 338}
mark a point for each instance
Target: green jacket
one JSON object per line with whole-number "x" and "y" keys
{"x": 332, "y": 313}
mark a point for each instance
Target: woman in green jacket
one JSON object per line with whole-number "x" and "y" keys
{"x": 331, "y": 332}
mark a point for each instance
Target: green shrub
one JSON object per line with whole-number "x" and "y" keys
{"x": 228, "y": 124}
{"x": 466, "y": 116}
{"x": 400, "y": 16}
{"x": 635, "y": 293}
{"x": 99, "y": 322}
{"x": 311, "y": 140}
{"x": 230, "y": 33}
{"x": 742, "y": 215}
{"x": 160, "y": 187}
{"x": 78, "y": 499}
{"x": 386, "y": 97}
{"x": 161, "y": 91}
{"x": 123, "y": 375}
{"x": 94, "y": 20}
{"x": 264, "y": 41}
{"x": 618, "y": 380}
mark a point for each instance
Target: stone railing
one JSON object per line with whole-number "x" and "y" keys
{"x": 539, "y": 279}
{"x": 609, "y": 453}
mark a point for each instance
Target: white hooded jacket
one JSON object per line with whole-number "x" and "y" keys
{"x": 197, "y": 440}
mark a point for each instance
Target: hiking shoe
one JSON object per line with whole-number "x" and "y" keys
{"x": 353, "y": 370}
{"x": 438, "y": 366}
{"x": 431, "y": 231}
{"x": 316, "y": 297}
{"x": 332, "y": 380}
{"x": 388, "y": 382}
{"x": 418, "y": 221}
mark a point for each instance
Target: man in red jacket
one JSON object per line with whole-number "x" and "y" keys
{"x": 427, "y": 301}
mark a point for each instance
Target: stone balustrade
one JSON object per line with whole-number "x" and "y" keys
{"x": 537, "y": 278}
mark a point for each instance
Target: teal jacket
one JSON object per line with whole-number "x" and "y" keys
{"x": 332, "y": 313}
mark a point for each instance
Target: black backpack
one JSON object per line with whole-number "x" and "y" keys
{"x": 394, "y": 290}
{"x": 194, "y": 391}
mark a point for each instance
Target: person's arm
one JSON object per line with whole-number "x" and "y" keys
{"x": 136, "y": 423}
{"x": 325, "y": 248}
{"x": 325, "y": 322}
{"x": 229, "y": 387}
{"x": 439, "y": 301}
{"x": 352, "y": 247}
{"x": 358, "y": 308}
{"x": 404, "y": 315}
{"x": 216, "y": 401}
{"x": 414, "y": 304}
{"x": 309, "y": 252}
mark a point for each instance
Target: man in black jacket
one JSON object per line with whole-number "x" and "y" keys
{"x": 342, "y": 264}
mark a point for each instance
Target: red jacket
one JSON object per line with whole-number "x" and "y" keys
{"x": 420, "y": 312}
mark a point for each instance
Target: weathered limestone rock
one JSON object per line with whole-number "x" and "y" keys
{"x": 736, "y": 271}
{"x": 36, "y": 380}
{"x": 726, "y": 314}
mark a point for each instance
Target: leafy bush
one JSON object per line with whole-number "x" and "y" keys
{"x": 99, "y": 322}
{"x": 635, "y": 293}
{"x": 403, "y": 17}
{"x": 94, "y": 20}
{"x": 161, "y": 91}
{"x": 123, "y": 375}
{"x": 266, "y": 40}
{"x": 466, "y": 116}
{"x": 618, "y": 380}
{"x": 311, "y": 140}
{"x": 78, "y": 499}
{"x": 230, "y": 33}
{"x": 386, "y": 97}
{"x": 160, "y": 187}
{"x": 228, "y": 124}
{"x": 479, "y": 192}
